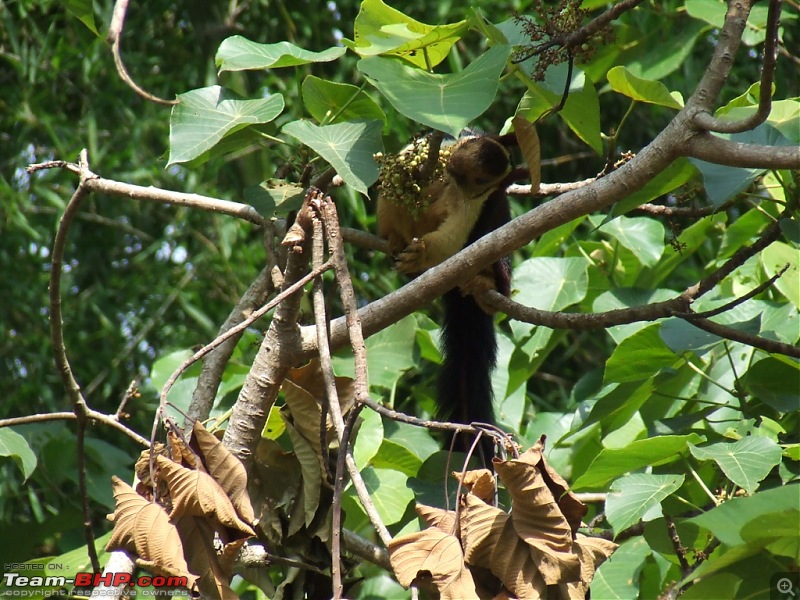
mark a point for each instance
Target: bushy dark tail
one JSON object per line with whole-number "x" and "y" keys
{"x": 469, "y": 348}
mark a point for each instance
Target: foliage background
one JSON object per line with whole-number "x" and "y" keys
{"x": 146, "y": 279}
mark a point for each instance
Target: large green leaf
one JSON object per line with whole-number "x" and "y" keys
{"x": 549, "y": 283}
{"x": 639, "y": 356}
{"x": 444, "y": 102}
{"x": 675, "y": 175}
{"x": 642, "y": 90}
{"x": 774, "y": 258}
{"x": 14, "y": 445}
{"x": 613, "y": 462}
{"x": 581, "y": 112}
{"x": 618, "y": 576}
{"x": 381, "y": 29}
{"x": 329, "y": 102}
{"x": 390, "y": 353}
{"x": 641, "y": 235}
{"x": 727, "y": 520}
{"x": 745, "y": 462}
{"x": 775, "y": 383}
{"x": 206, "y": 115}
{"x": 392, "y": 455}
{"x": 654, "y": 57}
{"x": 713, "y": 12}
{"x": 238, "y": 54}
{"x": 368, "y": 438}
{"x": 388, "y": 492}
{"x": 348, "y": 147}
{"x": 634, "y": 497}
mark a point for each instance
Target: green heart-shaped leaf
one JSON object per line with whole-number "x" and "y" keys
{"x": 444, "y": 102}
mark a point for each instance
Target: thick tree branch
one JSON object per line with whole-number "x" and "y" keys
{"x": 708, "y": 122}
{"x": 713, "y": 149}
{"x": 214, "y": 364}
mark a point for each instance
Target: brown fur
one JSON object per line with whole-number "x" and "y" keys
{"x": 475, "y": 168}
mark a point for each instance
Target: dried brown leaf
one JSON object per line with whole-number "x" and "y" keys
{"x": 437, "y": 553}
{"x": 480, "y": 482}
{"x": 143, "y": 529}
{"x": 227, "y": 470}
{"x": 513, "y": 564}
{"x": 573, "y": 509}
{"x": 528, "y": 141}
{"x": 304, "y": 391}
{"x": 197, "y": 494}
{"x": 181, "y": 453}
{"x": 481, "y": 526}
{"x": 538, "y": 521}
{"x": 198, "y": 539}
{"x": 275, "y": 484}
{"x": 443, "y": 520}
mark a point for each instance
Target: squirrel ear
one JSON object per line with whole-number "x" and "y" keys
{"x": 507, "y": 139}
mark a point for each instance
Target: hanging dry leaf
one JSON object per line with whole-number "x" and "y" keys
{"x": 480, "y": 482}
{"x": 513, "y": 564}
{"x": 181, "y": 453}
{"x": 433, "y": 552}
{"x": 143, "y": 529}
{"x": 304, "y": 390}
{"x": 443, "y": 520}
{"x": 197, "y": 494}
{"x": 481, "y": 526}
{"x": 276, "y": 481}
{"x": 214, "y": 572}
{"x": 538, "y": 521}
{"x": 227, "y": 470}
{"x": 528, "y": 141}
{"x": 573, "y": 509}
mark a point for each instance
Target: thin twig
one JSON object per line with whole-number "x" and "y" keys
{"x": 680, "y": 549}
{"x": 255, "y": 316}
{"x": 338, "y": 488}
{"x": 59, "y": 350}
{"x": 324, "y": 206}
{"x": 114, "y": 35}
{"x": 320, "y": 320}
{"x": 214, "y": 364}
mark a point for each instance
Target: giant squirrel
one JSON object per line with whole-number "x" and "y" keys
{"x": 464, "y": 201}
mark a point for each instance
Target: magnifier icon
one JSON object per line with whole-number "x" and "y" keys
{"x": 785, "y": 586}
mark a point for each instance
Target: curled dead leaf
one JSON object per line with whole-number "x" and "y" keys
{"x": 480, "y": 482}
{"x": 227, "y": 470}
{"x": 436, "y": 553}
{"x": 143, "y": 529}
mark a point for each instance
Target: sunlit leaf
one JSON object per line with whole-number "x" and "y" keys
{"x": 206, "y": 115}
{"x": 381, "y": 29}
{"x": 633, "y": 496}
{"x": 444, "y": 102}
{"x": 613, "y": 462}
{"x": 348, "y": 147}
{"x": 238, "y": 53}
{"x": 330, "y": 102}
{"x": 14, "y": 445}
{"x": 745, "y": 462}
{"x": 642, "y": 90}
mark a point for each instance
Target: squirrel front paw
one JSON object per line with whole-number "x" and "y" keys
{"x": 414, "y": 258}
